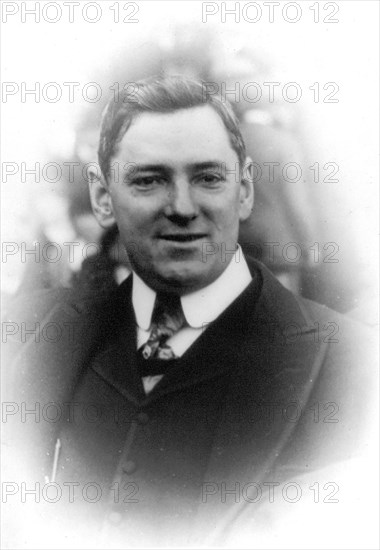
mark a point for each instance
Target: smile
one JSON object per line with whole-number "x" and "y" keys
{"x": 183, "y": 238}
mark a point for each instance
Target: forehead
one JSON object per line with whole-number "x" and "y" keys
{"x": 183, "y": 136}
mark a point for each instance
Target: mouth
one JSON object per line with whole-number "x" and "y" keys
{"x": 183, "y": 237}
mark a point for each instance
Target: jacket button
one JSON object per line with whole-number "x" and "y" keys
{"x": 115, "y": 518}
{"x": 142, "y": 418}
{"x": 129, "y": 467}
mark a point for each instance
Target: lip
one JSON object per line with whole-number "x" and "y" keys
{"x": 182, "y": 237}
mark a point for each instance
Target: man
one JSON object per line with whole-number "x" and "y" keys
{"x": 200, "y": 381}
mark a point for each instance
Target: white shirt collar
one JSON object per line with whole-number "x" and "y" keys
{"x": 202, "y": 306}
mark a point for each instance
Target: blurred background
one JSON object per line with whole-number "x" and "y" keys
{"x": 314, "y": 223}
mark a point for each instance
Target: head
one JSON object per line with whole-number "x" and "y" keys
{"x": 175, "y": 179}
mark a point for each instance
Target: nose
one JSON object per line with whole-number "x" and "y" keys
{"x": 181, "y": 207}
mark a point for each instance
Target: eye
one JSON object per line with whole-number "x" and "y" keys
{"x": 148, "y": 181}
{"x": 209, "y": 179}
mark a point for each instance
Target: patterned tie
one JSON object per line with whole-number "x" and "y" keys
{"x": 167, "y": 319}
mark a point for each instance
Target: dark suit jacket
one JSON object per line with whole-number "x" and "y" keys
{"x": 275, "y": 389}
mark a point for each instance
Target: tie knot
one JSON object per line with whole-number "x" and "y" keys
{"x": 167, "y": 319}
{"x": 168, "y": 313}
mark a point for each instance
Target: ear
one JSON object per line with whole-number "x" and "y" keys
{"x": 246, "y": 190}
{"x": 101, "y": 200}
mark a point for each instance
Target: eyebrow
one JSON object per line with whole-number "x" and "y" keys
{"x": 162, "y": 168}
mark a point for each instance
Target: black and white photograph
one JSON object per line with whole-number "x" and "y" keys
{"x": 189, "y": 274}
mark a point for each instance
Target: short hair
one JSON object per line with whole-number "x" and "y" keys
{"x": 161, "y": 94}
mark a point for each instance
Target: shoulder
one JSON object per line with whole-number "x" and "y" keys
{"x": 339, "y": 326}
{"x": 48, "y": 323}
{"x": 37, "y": 305}
{"x": 31, "y": 305}
{"x": 349, "y": 342}
{"x": 286, "y": 308}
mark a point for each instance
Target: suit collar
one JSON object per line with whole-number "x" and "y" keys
{"x": 117, "y": 364}
{"x": 277, "y": 309}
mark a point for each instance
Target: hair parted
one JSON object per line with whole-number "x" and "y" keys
{"x": 161, "y": 94}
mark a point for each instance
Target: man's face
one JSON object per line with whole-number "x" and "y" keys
{"x": 179, "y": 199}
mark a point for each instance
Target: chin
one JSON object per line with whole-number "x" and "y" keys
{"x": 181, "y": 277}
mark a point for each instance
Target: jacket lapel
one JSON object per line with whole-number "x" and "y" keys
{"x": 213, "y": 353}
{"x": 115, "y": 358}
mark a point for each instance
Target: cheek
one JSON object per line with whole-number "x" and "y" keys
{"x": 132, "y": 218}
{"x": 224, "y": 211}
{"x": 137, "y": 206}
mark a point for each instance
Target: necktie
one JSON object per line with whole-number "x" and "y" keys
{"x": 167, "y": 319}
